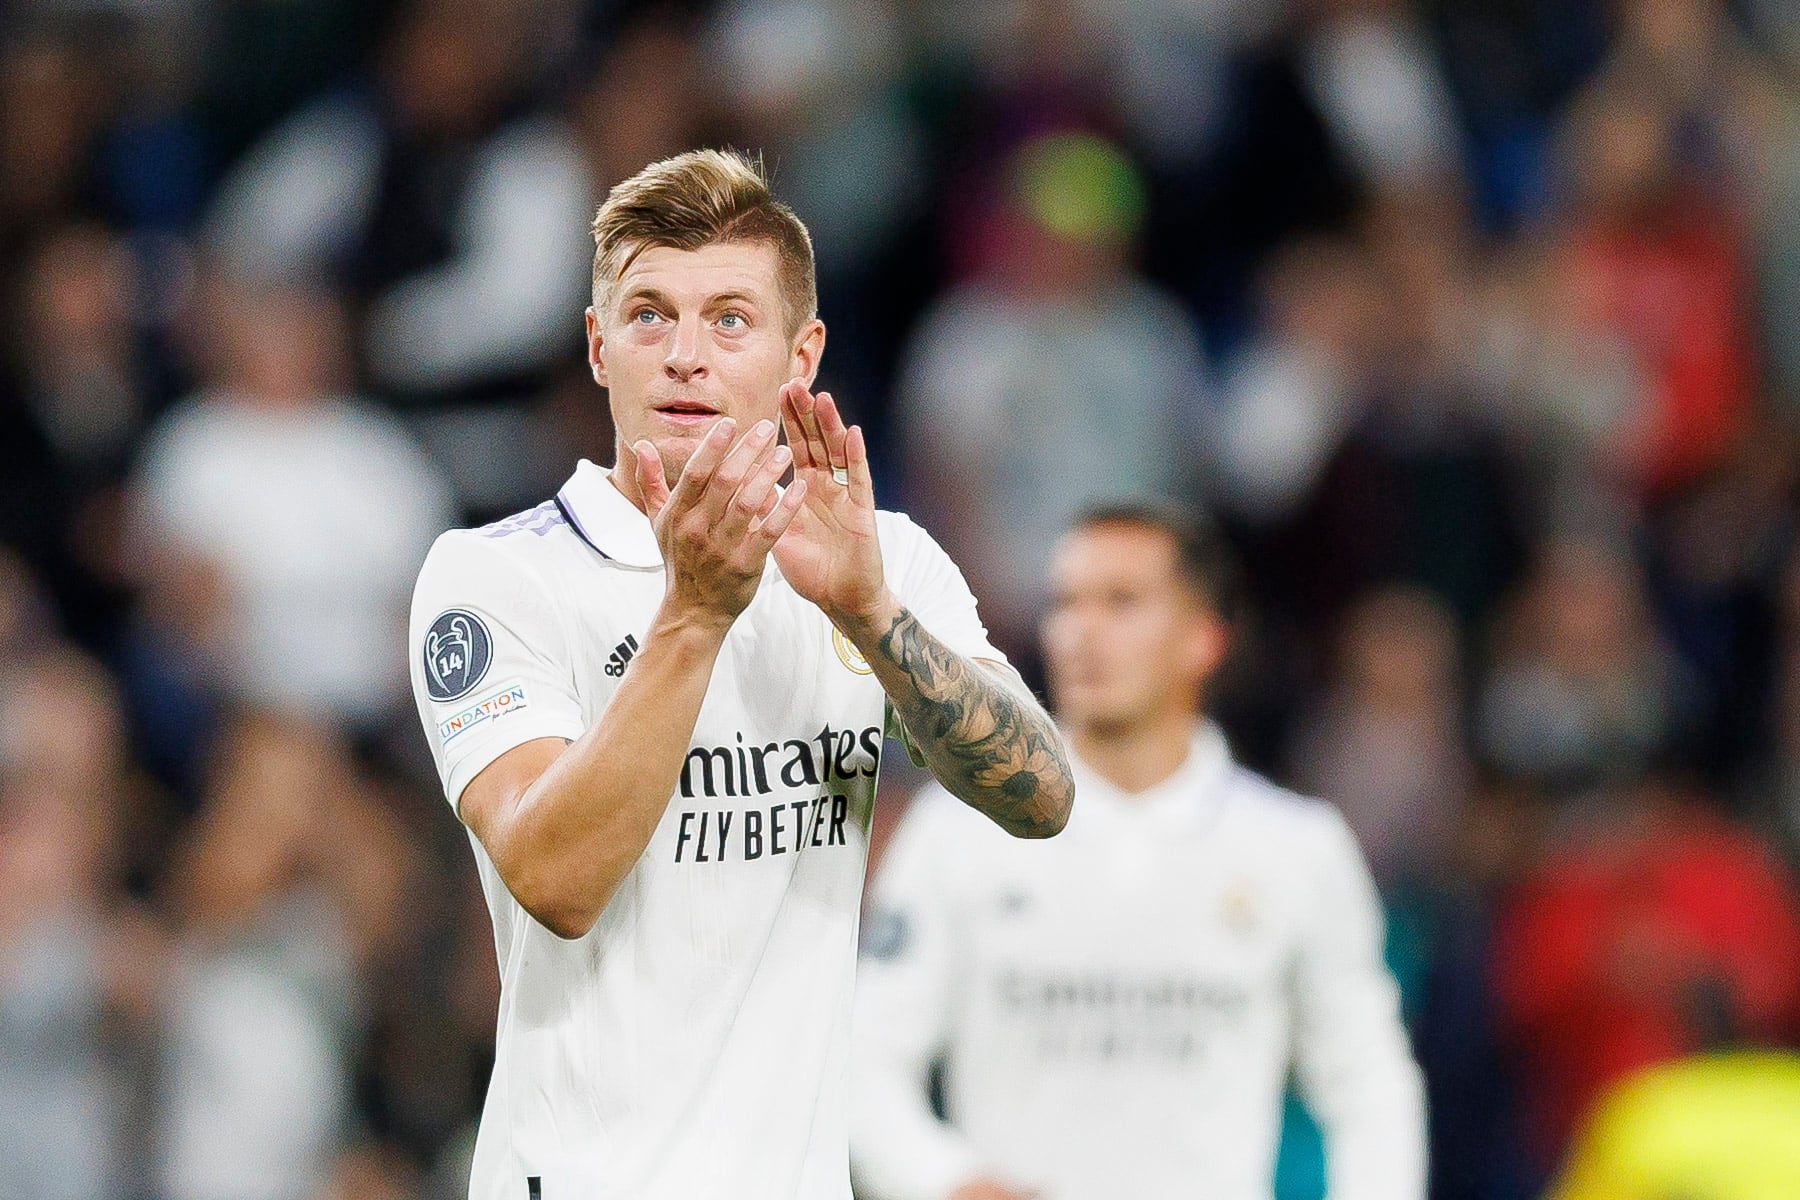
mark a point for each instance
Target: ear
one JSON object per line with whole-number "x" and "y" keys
{"x": 1207, "y": 645}
{"x": 809, "y": 348}
{"x": 596, "y": 348}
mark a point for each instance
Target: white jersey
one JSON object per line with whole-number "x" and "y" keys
{"x": 695, "y": 1043}
{"x": 1118, "y": 1007}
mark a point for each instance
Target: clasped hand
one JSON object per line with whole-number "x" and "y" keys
{"x": 725, "y": 515}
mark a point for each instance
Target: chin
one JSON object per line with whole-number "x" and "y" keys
{"x": 675, "y": 449}
{"x": 1108, "y": 715}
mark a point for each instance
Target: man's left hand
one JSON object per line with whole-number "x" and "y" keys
{"x": 830, "y": 553}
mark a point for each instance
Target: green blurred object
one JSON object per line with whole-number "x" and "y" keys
{"x": 1300, "y": 1162}
{"x": 1080, "y": 187}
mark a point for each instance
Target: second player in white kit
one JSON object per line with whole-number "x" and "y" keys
{"x": 1117, "y": 1010}
{"x": 659, "y": 708}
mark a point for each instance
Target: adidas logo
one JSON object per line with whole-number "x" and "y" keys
{"x": 620, "y": 658}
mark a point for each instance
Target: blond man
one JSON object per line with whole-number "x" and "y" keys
{"x": 657, "y": 701}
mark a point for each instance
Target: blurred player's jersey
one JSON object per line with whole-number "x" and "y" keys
{"x": 695, "y": 1043}
{"x": 1118, "y": 1008}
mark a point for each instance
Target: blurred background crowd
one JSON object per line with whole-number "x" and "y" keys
{"x": 1475, "y": 325}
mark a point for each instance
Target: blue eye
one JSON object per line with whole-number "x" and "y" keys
{"x": 731, "y": 320}
{"x": 644, "y": 316}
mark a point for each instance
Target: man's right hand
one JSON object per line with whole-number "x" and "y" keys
{"x": 715, "y": 527}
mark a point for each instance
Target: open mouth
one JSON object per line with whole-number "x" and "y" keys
{"x": 687, "y": 411}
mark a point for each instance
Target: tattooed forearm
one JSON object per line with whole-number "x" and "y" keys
{"x": 986, "y": 741}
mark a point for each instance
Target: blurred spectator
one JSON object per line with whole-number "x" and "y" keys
{"x": 288, "y": 881}
{"x": 815, "y": 83}
{"x": 1512, "y": 68}
{"x": 52, "y": 104}
{"x": 1720, "y": 1127}
{"x": 255, "y": 63}
{"x": 1656, "y": 929}
{"x": 1368, "y": 68}
{"x": 78, "y": 969}
{"x": 1738, "y": 119}
{"x": 282, "y": 520}
{"x": 1582, "y": 689}
{"x": 1418, "y": 489}
{"x": 1385, "y": 743}
{"x": 1654, "y": 257}
{"x": 1567, "y": 392}
{"x": 456, "y": 222}
{"x": 1168, "y": 65}
{"x": 1294, "y": 390}
{"x": 647, "y": 97}
{"x": 76, "y": 390}
{"x": 81, "y": 368}
{"x": 1057, "y": 379}
{"x": 1716, "y": 565}
{"x": 1475, "y": 1087}
{"x": 93, "y": 118}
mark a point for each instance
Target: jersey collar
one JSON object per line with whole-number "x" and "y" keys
{"x": 1189, "y": 801}
{"x": 604, "y": 519}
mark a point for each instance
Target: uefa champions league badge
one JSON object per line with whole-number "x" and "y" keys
{"x": 457, "y": 653}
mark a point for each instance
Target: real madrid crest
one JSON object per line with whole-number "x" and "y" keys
{"x": 1240, "y": 909}
{"x": 849, "y": 655}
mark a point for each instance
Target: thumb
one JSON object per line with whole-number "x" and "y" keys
{"x": 651, "y": 481}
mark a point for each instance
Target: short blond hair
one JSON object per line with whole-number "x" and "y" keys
{"x": 702, "y": 198}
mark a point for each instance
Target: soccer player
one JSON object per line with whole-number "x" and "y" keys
{"x": 657, "y": 701}
{"x": 1116, "y": 1011}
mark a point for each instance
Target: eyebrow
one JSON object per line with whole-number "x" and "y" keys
{"x": 644, "y": 292}
{"x": 657, "y": 296}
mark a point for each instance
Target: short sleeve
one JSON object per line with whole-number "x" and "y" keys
{"x": 933, "y": 588}
{"x": 490, "y": 660}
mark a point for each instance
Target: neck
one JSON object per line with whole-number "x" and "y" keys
{"x": 624, "y": 475}
{"x": 1136, "y": 757}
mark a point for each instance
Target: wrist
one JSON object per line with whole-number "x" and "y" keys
{"x": 687, "y": 623}
{"x": 865, "y": 626}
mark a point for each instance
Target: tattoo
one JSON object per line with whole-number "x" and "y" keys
{"x": 986, "y": 741}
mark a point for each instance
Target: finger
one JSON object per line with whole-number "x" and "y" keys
{"x": 856, "y": 452}
{"x": 691, "y": 486}
{"x": 737, "y": 465}
{"x": 804, "y": 408}
{"x": 831, "y": 428}
{"x": 757, "y": 494}
{"x": 796, "y": 432}
{"x": 771, "y": 527}
{"x": 652, "y": 483}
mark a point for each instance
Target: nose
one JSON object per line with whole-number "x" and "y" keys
{"x": 683, "y": 359}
